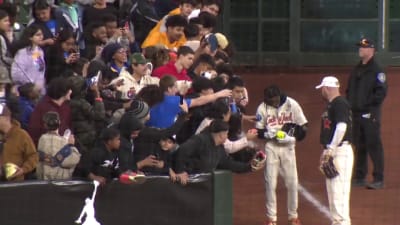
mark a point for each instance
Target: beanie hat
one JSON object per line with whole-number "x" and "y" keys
{"x": 139, "y": 109}
{"x": 109, "y": 51}
{"x": 128, "y": 124}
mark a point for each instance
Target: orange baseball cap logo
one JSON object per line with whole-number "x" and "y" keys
{"x": 364, "y": 42}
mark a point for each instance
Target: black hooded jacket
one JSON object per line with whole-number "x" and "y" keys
{"x": 200, "y": 155}
{"x": 147, "y": 144}
{"x": 127, "y": 125}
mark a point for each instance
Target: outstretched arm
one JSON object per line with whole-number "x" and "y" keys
{"x": 210, "y": 98}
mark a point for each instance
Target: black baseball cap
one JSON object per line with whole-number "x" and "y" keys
{"x": 366, "y": 43}
{"x": 172, "y": 138}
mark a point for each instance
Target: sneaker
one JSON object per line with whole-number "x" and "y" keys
{"x": 375, "y": 185}
{"x": 295, "y": 221}
{"x": 270, "y": 222}
{"x": 358, "y": 183}
{"x": 132, "y": 178}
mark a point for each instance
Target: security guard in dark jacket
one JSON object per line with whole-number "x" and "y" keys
{"x": 367, "y": 88}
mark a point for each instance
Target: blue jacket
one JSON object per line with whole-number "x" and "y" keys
{"x": 61, "y": 23}
{"x": 26, "y": 107}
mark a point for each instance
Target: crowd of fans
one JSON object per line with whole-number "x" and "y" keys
{"x": 95, "y": 89}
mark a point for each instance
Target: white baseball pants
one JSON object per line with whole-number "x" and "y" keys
{"x": 281, "y": 159}
{"x": 339, "y": 187}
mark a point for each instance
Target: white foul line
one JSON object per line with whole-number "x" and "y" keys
{"x": 317, "y": 204}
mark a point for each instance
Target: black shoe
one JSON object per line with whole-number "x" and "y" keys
{"x": 375, "y": 185}
{"x": 358, "y": 183}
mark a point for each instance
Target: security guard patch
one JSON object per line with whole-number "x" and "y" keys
{"x": 381, "y": 77}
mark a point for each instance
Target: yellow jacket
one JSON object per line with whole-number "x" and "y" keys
{"x": 158, "y": 36}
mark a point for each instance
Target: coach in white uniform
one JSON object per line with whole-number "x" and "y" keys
{"x": 276, "y": 111}
{"x": 335, "y": 139}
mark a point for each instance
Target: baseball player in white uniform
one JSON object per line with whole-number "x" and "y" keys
{"x": 279, "y": 112}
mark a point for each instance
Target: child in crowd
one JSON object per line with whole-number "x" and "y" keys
{"x": 152, "y": 147}
{"x": 57, "y": 154}
{"x": 86, "y": 119}
{"x": 62, "y": 56}
{"x": 28, "y": 96}
{"x": 95, "y": 39}
{"x": 112, "y": 98}
{"x": 84, "y": 115}
{"x": 157, "y": 55}
{"x": 192, "y": 34}
{"x": 50, "y": 20}
{"x": 105, "y": 158}
{"x": 163, "y": 156}
{"x": 29, "y": 65}
{"x": 5, "y": 55}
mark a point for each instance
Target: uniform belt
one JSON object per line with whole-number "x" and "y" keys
{"x": 343, "y": 143}
{"x": 340, "y": 145}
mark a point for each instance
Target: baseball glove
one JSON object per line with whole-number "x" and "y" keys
{"x": 295, "y": 130}
{"x": 328, "y": 168}
{"x": 290, "y": 128}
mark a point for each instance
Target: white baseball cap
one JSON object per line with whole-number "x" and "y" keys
{"x": 329, "y": 81}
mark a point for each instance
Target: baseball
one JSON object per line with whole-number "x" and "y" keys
{"x": 280, "y": 134}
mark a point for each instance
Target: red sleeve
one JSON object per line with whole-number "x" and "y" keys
{"x": 65, "y": 118}
{"x": 158, "y": 72}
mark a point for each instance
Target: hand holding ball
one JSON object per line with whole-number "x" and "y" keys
{"x": 280, "y": 135}
{"x": 283, "y": 138}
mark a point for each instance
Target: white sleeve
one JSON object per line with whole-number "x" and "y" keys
{"x": 234, "y": 146}
{"x": 299, "y": 117}
{"x": 340, "y": 130}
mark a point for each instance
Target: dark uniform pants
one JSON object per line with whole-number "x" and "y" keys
{"x": 367, "y": 140}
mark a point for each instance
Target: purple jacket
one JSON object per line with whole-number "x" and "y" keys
{"x": 29, "y": 66}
